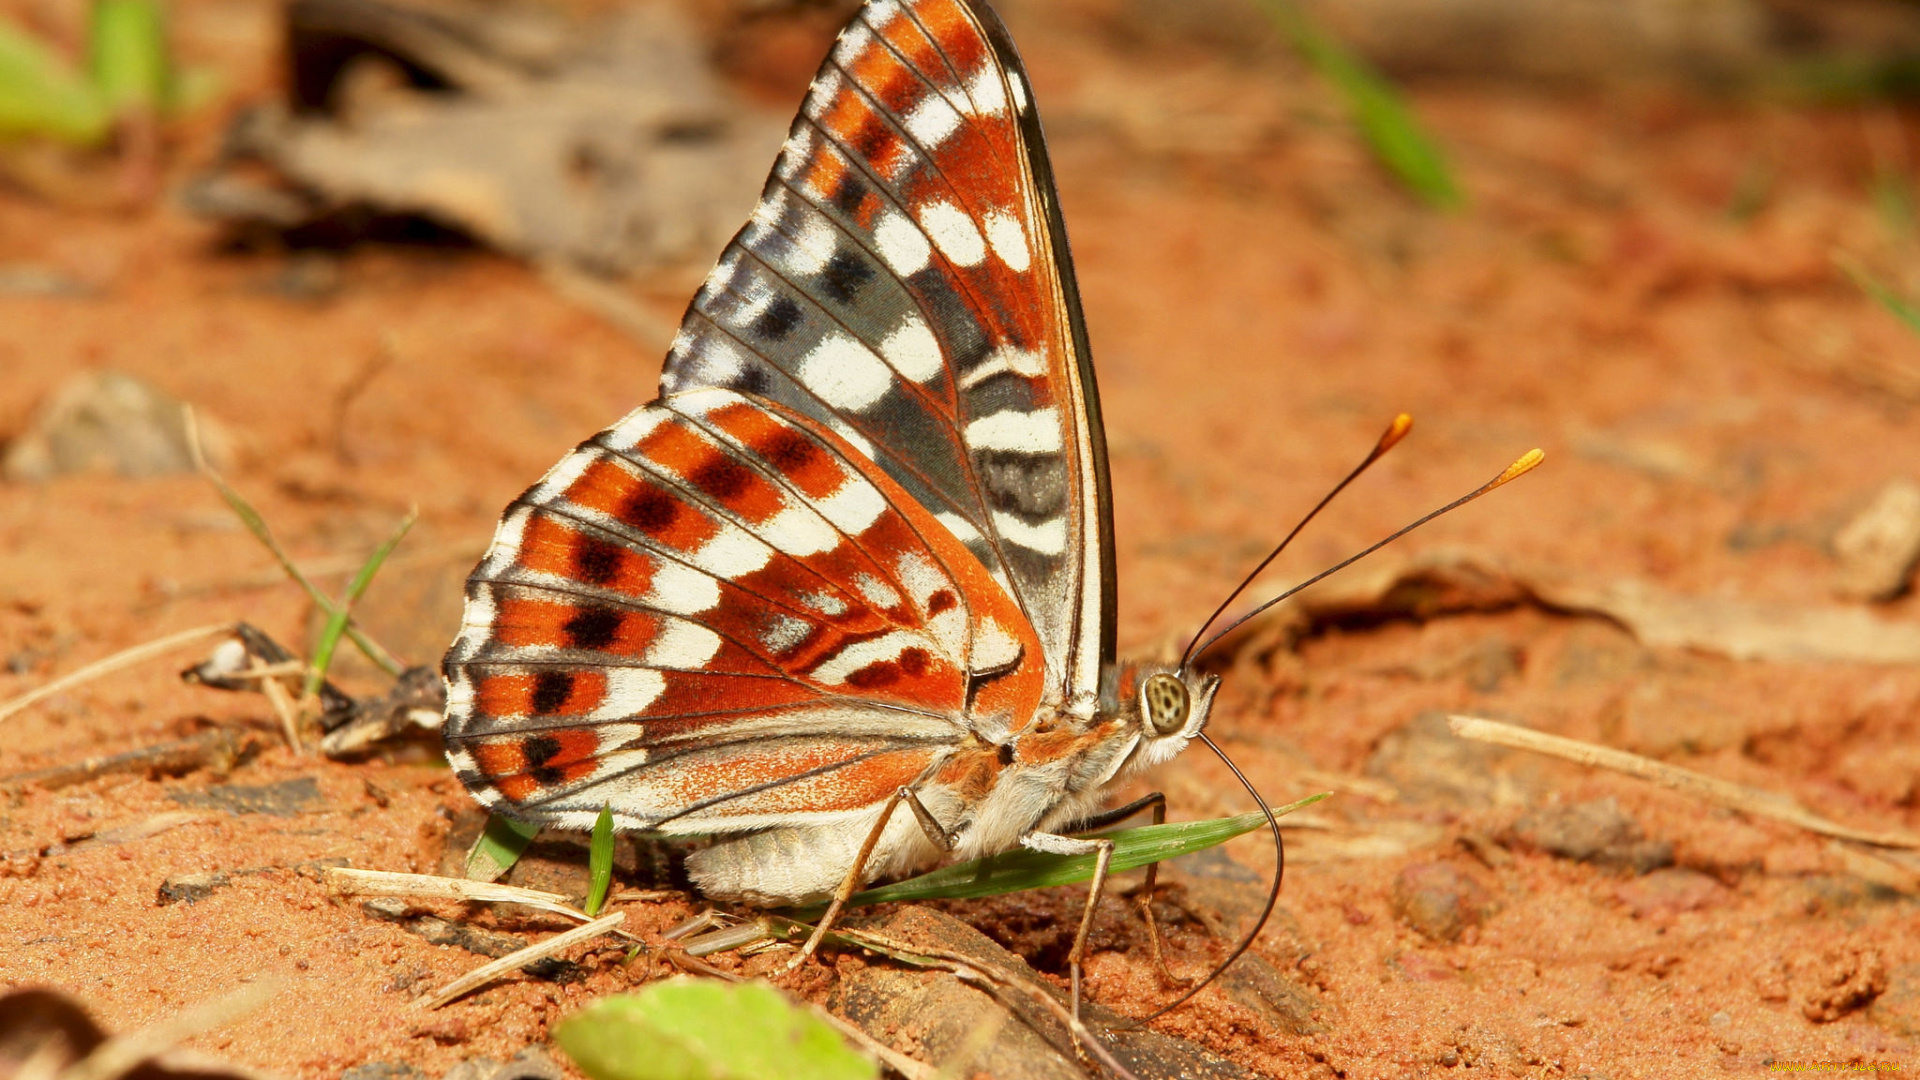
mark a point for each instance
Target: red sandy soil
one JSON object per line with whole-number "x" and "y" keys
{"x": 1261, "y": 302}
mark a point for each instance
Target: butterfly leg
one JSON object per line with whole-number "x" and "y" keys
{"x": 936, "y": 832}
{"x": 1102, "y": 850}
{"x": 1157, "y": 801}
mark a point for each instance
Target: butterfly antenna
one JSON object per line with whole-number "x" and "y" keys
{"x": 1394, "y": 433}
{"x": 1521, "y": 467}
{"x": 1273, "y": 894}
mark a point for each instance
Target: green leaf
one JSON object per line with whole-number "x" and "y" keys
{"x": 703, "y": 1029}
{"x": 498, "y": 847}
{"x": 127, "y": 55}
{"x": 1385, "y": 120}
{"x": 41, "y": 95}
{"x": 341, "y": 617}
{"x": 600, "y": 862}
{"x": 1014, "y": 871}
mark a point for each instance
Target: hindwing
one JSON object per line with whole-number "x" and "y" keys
{"x": 719, "y": 615}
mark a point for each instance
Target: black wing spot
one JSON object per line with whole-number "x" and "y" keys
{"x": 849, "y": 193}
{"x": 844, "y": 276}
{"x": 592, "y": 627}
{"x": 595, "y": 561}
{"x": 551, "y": 689}
{"x": 790, "y": 452}
{"x": 722, "y": 477}
{"x": 778, "y": 320}
{"x": 538, "y": 751}
{"x": 651, "y": 511}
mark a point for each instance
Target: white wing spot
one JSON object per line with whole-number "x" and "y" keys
{"x": 554, "y": 485}
{"x": 785, "y": 633}
{"x": 1036, "y": 432}
{"x": 901, "y": 243}
{"x": 1031, "y": 363}
{"x": 635, "y": 426}
{"x": 733, "y": 553}
{"x": 854, "y": 506}
{"x": 505, "y": 549}
{"x": 825, "y": 602}
{"x": 988, "y": 94}
{"x": 845, "y": 373}
{"x": 1009, "y": 240}
{"x": 920, "y": 576}
{"x": 853, "y": 41}
{"x": 913, "y": 350}
{"x": 1049, "y": 537}
{"x": 683, "y": 646}
{"x": 933, "y": 120}
{"x": 954, "y": 233}
{"x": 799, "y": 532}
{"x": 681, "y": 589}
{"x": 808, "y": 253}
{"x": 962, "y": 529}
{"x": 1019, "y": 88}
{"x": 993, "y": 646}
{"x": 861, "y": 654}
{"x": 629, "y": 692}
{"x": 877, "y": 592}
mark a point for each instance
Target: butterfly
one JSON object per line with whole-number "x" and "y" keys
{"x": 858, "y": 555}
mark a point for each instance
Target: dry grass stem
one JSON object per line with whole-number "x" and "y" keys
{"x": 346, "y": 881}
{"x": 1739, "y": 797}
{"x": 486, "y": 973}
{"x": 118, "y": 1056}
{"x": 121, "y": 659}
{"x": 1875, "y": 870}
{"x": 645, "y": 896}
{"x": 285, "y": 708}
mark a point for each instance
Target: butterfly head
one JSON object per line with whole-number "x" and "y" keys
{"x": 1173, "y": 709}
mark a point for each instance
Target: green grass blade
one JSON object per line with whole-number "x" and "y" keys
{"x": 1018, "y": 870}
{"x": 498, "y": 847}
{"x": 41, "y": 95}
{"x": 705, "y": 1029}
{"x": 257, "y": 525}
{"x": 127, "y": 55}
{"x": 341, "y": 618}
{"x": 1386, "y": 122}
{"x": 600, "y": 862}
{"x": 1896, "y": 305}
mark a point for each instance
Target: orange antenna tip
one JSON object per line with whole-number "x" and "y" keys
{"x": 1395, "y": 432}
{"x": 1525, "y": 465}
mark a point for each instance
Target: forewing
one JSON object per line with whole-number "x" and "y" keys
{"x": 718, "y": 615}
{"x": 905, "y": 282}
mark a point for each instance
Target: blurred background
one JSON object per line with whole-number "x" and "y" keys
{"x": 402, "y": 255}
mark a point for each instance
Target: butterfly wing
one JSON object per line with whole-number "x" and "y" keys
{"x": 718, "y": 616}
{"x": 862, "y": 535}
{"x": 905, "y": 282}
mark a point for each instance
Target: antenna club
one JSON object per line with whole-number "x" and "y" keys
{"x": 1394, "y": 433}
{"x": 1525, "y": 465}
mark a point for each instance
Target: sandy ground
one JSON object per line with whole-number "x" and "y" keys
{"x": 1715, "y": 398}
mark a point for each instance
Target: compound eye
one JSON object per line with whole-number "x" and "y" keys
{"x": 1165, "y": 699}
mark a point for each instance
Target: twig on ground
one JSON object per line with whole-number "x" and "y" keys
{"x": 123, "y": 658}
{"x": 121, "y": 1055}
{"x": 178, "y": 756}
{"x": 486, "y": 973}
{"x": 347, "y": 881}
{"x": 1739, "y": 797}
